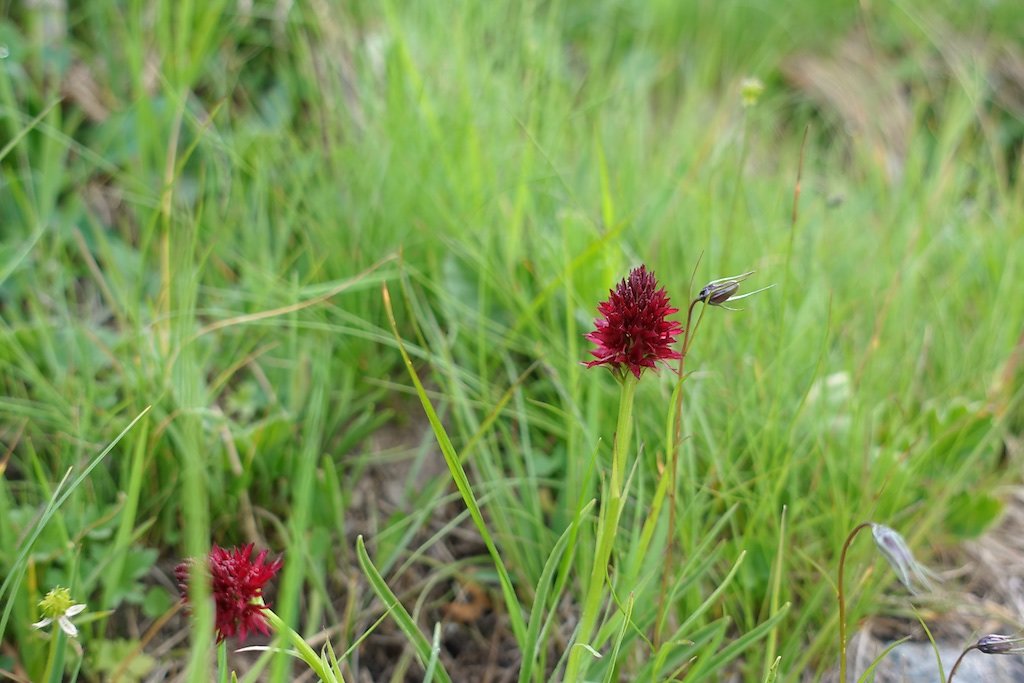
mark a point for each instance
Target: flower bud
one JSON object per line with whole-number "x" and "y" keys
{"x": 750, "y": 91}
{"x": 896, "y": 552}
{"x": 996, "y": 644}
{"x": 718, "y": 292}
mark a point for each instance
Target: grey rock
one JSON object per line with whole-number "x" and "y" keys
{"x": 914, "y": 662}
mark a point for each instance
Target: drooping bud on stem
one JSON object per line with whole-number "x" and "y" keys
{"x": 993, "y": 644}
{"x": 717, "y": 292}
{"x": 996, "y": 644}
{"x": 912, "y": 574}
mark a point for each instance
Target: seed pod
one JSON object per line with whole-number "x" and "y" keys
{"x": 996, "y": 644}
{"x": 718, "y": 294}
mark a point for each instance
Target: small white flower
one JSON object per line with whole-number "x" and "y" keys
{"x": 57, "y": 606}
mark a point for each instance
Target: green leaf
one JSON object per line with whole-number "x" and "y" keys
{"x": 970, "y": 514}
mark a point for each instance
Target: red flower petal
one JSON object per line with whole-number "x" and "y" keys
{"x": 237, "y": 582}
{"x": 634, "y": 332}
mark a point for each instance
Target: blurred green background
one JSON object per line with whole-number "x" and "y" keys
{"x": 200, "y": 203}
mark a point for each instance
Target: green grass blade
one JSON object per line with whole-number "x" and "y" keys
{"x": 535, "y": 634}
{"x": 770, "y": 659}
{"x": 435, "y": 653}
{"x": 736, "y": 647}
{"x": 611, "y": 673}
{"x": 60, "y": 496}
{"x": 397, "y": 609}
{"x": 451, "y": 458}
{"x": 867, "y": 675}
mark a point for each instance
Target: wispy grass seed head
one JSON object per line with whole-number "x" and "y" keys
{"x": 894, "y": 548}
{"x": 992, "y": 644}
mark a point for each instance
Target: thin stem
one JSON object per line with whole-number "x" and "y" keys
{"x": 222, "y": 661}
{"x": 623, "y": 434}
{"x": 794, "y": 217}
{"x": 738, "y": 186}
{"x": 606, "y": 529}
{"x": 56, "y": 641}
{"x": 303, "y": 649}
{"x": 673, "y": 460}
{"x": 842, "y": 599}
{"x": 959, "y": 659}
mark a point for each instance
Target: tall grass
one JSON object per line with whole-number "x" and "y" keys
{"x": 212, "y": 241}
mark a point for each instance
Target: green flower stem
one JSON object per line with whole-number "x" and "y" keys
{"x": 303, "y": 649}
{"x": 673, "y": 466}
{"x": 607, "y": 526}
{"x": 841, "y": 595}
{"x": 222, "y": 662}
{"x": 55, "y": 658}
{"x": 623, "y": 433}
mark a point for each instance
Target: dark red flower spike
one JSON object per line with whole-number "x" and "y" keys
{"x": 634, "y": 332}
{"x": 237, "y": 582}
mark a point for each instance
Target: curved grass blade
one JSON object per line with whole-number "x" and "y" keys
{"x": 435, "y": 652}
{"x": 397, "y": 609}
{"x": 867, "y": 675}
{"x": 60, "y": 496}
{"x": 611, "y": 674}
{"x": 659, "y": 660}
{"x": 451, "y": 458}
{"x": 534, "y": 633}
{"x": 736, "y": 647}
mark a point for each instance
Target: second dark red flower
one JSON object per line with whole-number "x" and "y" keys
{"x": 237, "y": 582}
